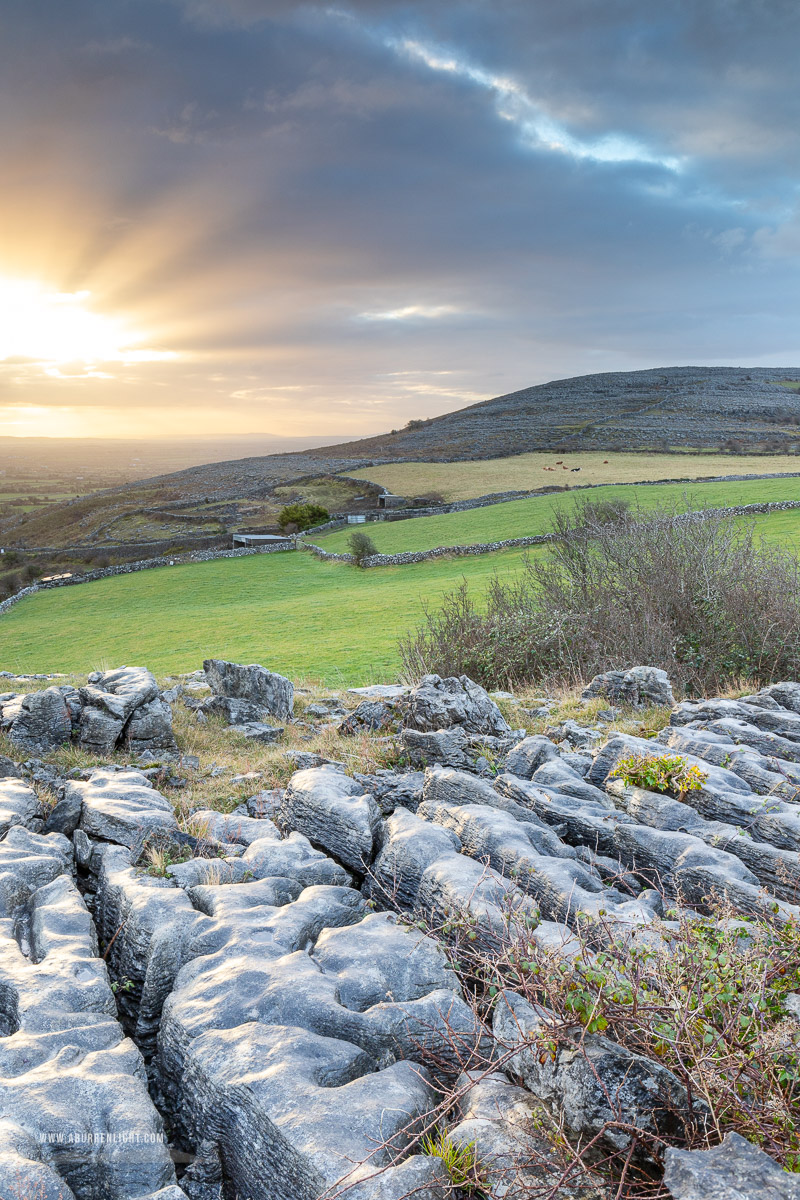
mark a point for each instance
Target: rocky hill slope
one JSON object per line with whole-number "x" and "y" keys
{"x": 343, "y": 986}
{"x": 748, "y": 409}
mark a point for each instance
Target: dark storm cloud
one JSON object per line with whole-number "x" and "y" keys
{"x": 317, "y": 197}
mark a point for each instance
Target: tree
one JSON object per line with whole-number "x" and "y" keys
{"x": 361, "y": 547}
{"x": 302, "y": 516}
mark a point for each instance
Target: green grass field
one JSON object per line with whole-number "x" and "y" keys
{"x": 524, "y": 472}
{"x": 321, "y": 621}
{"x": 523, "y": 518}
{"x": 325, "y": 622}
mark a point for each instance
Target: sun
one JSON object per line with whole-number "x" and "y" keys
{"x": 43, "y": 326}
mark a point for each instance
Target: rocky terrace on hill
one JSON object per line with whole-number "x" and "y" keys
{"x": 267, "y": 1000}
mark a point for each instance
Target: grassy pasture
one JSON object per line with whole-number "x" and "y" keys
{"x": 324, "y": 622}
{"x": 523, "y": 518}
{"x": 523, "y": 472}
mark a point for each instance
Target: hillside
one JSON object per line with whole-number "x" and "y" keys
{"x": 685, "y": 408}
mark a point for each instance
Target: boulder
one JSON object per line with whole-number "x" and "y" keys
{"x": 121, "y": 807}
{"x": 269, "y": 691}
{"x": 437, "y": 703}
{"x": 43, "y": 723}
{"x": 590, "y": 1082}
{"x": 332, "y": 810}
{"x": 498, "y": 1120}
{"x": 235, "y": 712}
{"x": 734, "y": 1170}
{"x": 150, "y": 728}
{"x": 524, "y": 758}
{"x": 369, "y": 716}
{"x": 448, "y": 747}
{"x": 19, "y": 804}
{"x": 639, "y": 686}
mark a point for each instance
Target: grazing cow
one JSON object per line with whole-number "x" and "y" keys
{"x": 575, "y": 468}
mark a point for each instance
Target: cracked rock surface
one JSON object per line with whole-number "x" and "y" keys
{"x": 261, "y": 1007}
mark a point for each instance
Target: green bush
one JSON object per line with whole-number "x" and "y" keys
{"x": 302, "y": 516}
{"x": 362, "y": 547}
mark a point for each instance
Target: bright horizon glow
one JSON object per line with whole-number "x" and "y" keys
{"x": 38, "y": 325}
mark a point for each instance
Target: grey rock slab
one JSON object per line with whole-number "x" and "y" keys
{"x": 457, "y": 889}
{"x": 145, "y": 924}
{"x": 270, "y": 691}
{"x": 437, "y": 703}
{"x": 99, "y": 730}
{"x": 121, "y": 807}
{"x": 294, "y": 858}
{"x": 43, "y": 723}
{"x": 786, "y": 694}
{"x": 150, "y": 728}
{"x": 409, "y": 846}
{"x": 28, "y": 861}
{"x": 332, "y": 811}
{"x": 591, "y": 1080}
{"x": 577, "y": 822}
{"x": 19, "y": 804}
{"x": 306, "y": 1108}
{"x": 235, "y": 712}
{"x": 24, "y": 1175}
{"x": 257, "y": 731}
{"x": 498, "y": 1119}
{"x": 733, "y": 1170}
{"x": 639, "y": 686}
{"x": 9, "y": 769}
{"x": 393, "y": 789}
{"x": 209, "y": 825}
{"x": 295, "y": 1068}
{"x": 781, "y": 722}
{"x": 448, "y": 747}
{"x": 446, "y": 786}
{"x": 621, "y": 745}
{"x": 369, "y": 716}
{"x": 562, "y": 887}
{"x": 766, "y": 776}
{"x": 529, "y": 754}
{"x": 561, "y": 777}
{"x": 132, "y": 686}
{"x": 777, "y": 869}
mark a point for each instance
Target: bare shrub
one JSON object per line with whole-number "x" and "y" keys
{"x": 696, "y": 594}
{"x": 362, "y": 547}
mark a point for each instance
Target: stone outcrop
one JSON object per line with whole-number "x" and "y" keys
{"x": 442, "y": 703}
{"x": 733, "y": 1170}
{"x": 258, "y": 985}
{"x": 267, "y": 691}
{"x": 119, "y": 709}
{"x": 638, "y": 686}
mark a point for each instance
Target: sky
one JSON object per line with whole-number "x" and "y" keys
{"x": 265, "y": 216}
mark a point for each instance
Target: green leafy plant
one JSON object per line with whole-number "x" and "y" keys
{"x": 460, "y": 1162}
{"x": 302, "y": 516}
{"x": 660, "y": 773}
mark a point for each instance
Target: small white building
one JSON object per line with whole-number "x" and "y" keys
{"x": 262, "y": 539}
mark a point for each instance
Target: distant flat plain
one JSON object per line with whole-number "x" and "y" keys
{"x": 525, "y": 472}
